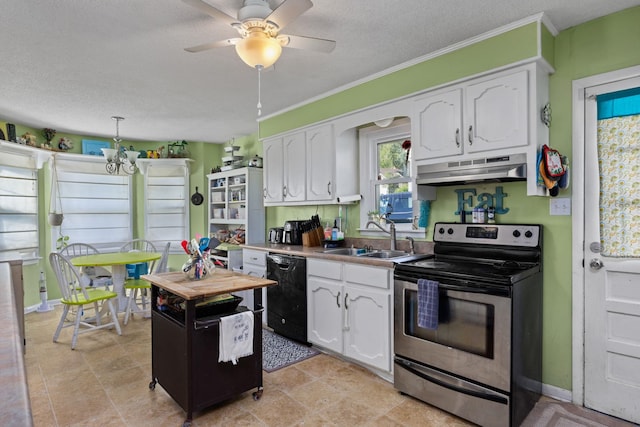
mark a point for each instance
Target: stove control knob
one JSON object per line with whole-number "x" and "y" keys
{"x": 441, "y": 230}
{"x": 516, "y": 233}
{"x": 528, "y": 234}
{"x": 450, "y": 231}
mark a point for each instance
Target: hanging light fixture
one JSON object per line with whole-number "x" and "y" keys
{"x": 118, "y": 159}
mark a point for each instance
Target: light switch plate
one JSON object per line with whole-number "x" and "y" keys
{"x": 560, "y": 206}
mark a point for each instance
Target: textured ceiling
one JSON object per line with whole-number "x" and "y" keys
{"x": 72, "y": 64}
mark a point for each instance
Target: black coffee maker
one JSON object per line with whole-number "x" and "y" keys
{"x": 293, "y": 232}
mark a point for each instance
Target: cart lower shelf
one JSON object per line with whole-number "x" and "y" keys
{"x": 185, "y": 362}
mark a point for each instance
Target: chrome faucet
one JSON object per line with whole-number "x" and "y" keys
{"x": 391, "y": 231}
{"x": 412, "y": 248}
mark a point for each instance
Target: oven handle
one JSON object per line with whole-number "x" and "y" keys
{"x": 502, "y": 292}
{"x": 481, "y": 395}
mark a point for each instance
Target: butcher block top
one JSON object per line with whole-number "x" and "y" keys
{"x": 220, "y": 282}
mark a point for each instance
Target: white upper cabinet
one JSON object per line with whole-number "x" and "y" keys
{"x": 309, "y": 166}
{"x": 320, "y": 163}
{"x": 294, "y": 167}
{"x": 273, "y": 175}
{"x": 285, "y": 170}
{"x": 438, "y": 124}
{"x": 497, "y": 113}
{"x": 490, "y": 113}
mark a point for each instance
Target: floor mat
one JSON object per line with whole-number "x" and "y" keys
{"x": 278, "y": 351}
{"x": 560, "y": 414}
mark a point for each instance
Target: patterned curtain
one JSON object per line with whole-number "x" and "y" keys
{"x": 619, "y": 163}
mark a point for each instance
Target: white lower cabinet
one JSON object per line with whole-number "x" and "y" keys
{"x": 254, "y": 263}
{"x": 349, "y": 310}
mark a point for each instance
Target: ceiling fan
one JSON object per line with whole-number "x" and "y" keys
{"x": 260, "y": 43}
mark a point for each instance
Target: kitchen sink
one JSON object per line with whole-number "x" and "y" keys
{"x": 344, "y": 251}
{"x": 384, "y": 254}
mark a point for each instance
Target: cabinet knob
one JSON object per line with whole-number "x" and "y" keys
{"x": 470, "y": 134}
{"x": 338, "y": 299}
{"x": 329, "y": 187}
{"x": 458, "y": 137}
{"x": 284, "y": 191}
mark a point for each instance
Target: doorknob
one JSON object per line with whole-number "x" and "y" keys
{"x": 595, "y": 264}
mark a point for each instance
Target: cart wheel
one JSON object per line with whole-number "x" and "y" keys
{"x": 186, "y": 423}
{"x": 257, "y": 394}
{"x": 152, "y": 384}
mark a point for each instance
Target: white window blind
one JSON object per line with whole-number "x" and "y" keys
{"x": 97, "y": 206}
{"x": 19, "y": 210}
{"x": 166, "y": 187}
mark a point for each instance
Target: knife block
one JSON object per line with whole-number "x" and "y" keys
{"x": 313, "y": 238}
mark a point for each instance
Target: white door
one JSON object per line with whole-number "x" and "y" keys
{"x": 367, "y": 326}
{"x": 321, "y": 156}
{"x": 295, "y": 167}
{"x": 324, "y": 313}
{"x": 438, "y": 125}
{"x": 497, "y": 113}
{"x": 611, "y": 264}
{"x": 273, "y": 171}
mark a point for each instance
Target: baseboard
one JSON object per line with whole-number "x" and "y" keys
{"x": 33, "y": 308}
{"x": 557, "y": 393}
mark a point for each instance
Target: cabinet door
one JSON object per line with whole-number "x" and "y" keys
{"x": 497, "y": 113}
{"x": 294, "y": 167}
{"x": 324, "y": 313}
{"x": 320, "y": 163}
{"x": 273, "y": 173}
{"x": 438, "y": 125}
{"x": 368, "y": 326}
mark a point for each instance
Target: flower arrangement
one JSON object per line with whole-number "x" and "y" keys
{"x": 406, "y": 145}
{"x": 48, "y": 134}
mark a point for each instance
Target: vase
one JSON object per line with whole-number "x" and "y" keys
{"x": 55, "y": 219}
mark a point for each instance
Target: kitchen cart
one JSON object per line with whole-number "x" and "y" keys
{"x": 185, "y": 337}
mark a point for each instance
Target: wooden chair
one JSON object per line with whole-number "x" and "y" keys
{"x": 97, "y": 276}
{"x": 82, "y": 299}
{"x": 139, "y": 288}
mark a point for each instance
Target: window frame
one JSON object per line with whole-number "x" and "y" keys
{"x": 76, "y": 171}
{"x": 369, "y": 138}
{"x": 28, "y": 159}
{"x": 175, "y": 170}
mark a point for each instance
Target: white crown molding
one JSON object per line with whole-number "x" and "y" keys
{"x": 537, "y": 18}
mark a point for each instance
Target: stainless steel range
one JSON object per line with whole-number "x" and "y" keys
{"x": 482, "y": 361}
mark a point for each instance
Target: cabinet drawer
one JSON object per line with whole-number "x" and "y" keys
{"x": 254, "y": 257}
{"x": 326, "y": 269}
{"x": 366, "y": 275}
{"x": 255, "y": 271}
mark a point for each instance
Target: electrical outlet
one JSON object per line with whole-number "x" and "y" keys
{"x": 560, "y": 206}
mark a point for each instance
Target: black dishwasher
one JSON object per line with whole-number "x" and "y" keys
{"x": 287, "y": 302}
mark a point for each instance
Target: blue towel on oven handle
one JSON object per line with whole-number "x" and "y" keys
{"x": 428, "y": 303}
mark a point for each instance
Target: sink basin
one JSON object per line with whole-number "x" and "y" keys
{"x": 343, "y": 251}
{"x": 385, "y": 254}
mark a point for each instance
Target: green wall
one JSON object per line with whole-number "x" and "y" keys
{"x": 599, "y": 46}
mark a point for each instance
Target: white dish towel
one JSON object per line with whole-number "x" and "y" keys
{"x": 236, "y": 337}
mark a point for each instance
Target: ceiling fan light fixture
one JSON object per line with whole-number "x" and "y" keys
{"x": 258, "y": 49}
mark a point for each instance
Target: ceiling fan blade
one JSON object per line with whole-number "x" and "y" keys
{"x": 212, "y": 45}
{"x": 309, "y": 43}
{"x": 211, "y": 11}
{"x": 288, "y": 11}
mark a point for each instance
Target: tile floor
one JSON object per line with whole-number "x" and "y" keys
{"x": 104, "y": 382}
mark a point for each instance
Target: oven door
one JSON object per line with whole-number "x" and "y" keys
{"x": 473, "y": 338}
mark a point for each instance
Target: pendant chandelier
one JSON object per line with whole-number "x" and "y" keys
{"x": 117, "y": 158}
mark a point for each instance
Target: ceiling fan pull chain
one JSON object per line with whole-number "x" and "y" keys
{"x": 259, "y": 68}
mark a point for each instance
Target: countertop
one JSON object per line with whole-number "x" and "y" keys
{"x": 15, "y": 407}
{"x": 316, "y": 252}
{"x": 220, "y": 282}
